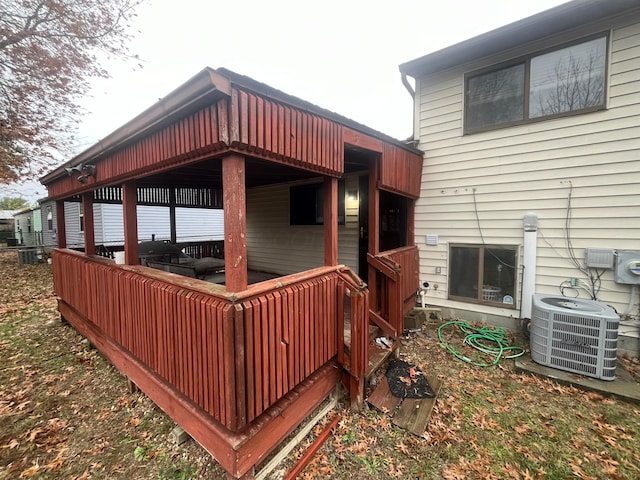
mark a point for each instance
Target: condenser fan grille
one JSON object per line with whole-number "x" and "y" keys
{"x": 579, "y": 336}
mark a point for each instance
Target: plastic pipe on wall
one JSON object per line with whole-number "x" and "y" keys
{"x": 529, "y": 262}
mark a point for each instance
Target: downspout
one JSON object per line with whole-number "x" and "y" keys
{"x": 529, "y": 263}
{"x": 408, "y": 86}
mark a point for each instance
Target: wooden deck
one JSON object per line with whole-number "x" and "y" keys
{"x": 222, "y": 364}
{"x": 238, "y": 365}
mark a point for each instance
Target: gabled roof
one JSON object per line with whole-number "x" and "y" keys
{"x": 25, "y": 210}
{"x": 553, "y": 21}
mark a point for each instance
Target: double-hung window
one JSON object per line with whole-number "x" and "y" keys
{"x": 571, "y": 79}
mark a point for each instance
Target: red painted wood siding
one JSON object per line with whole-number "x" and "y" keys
{"x": 397, "y": 276}
{"x": 288, "y": 334}
{"x": 234, "y": 355}
{"x": 400, "y": 171}
{"x": 407, "y": 259}
{"x": 285, "y": 134}
{"x": 193, "y": 136}
{"x": 245, "y": 122}
{"x": 185, "y": 337}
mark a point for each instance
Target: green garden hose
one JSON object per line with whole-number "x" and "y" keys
{"x": 490, "y": 341}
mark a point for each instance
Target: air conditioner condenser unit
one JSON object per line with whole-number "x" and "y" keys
{"x": 576, "y": 335}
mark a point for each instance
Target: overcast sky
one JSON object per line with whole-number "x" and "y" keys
{"x": 342, "y": 55}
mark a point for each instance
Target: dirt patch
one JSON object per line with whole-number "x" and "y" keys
{"x": 65, "y": 412}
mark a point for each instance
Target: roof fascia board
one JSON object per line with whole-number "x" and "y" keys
{"x": 564, "y": 17}
{"x": 205, "y": 83}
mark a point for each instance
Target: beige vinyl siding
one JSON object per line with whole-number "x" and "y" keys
{"x": 275, "y": 246}
{"x": 533, "y": 167}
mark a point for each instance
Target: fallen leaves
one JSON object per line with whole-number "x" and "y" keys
{"x": 53, "y": 388}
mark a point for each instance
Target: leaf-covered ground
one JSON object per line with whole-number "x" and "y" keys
{"x": 65, "y": 413}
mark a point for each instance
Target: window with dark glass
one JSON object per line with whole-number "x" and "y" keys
{"x": 569, "y": 79}
{"x": 306, "y": 204}
{"x": 49, "y": 219}
{"x": 81, "y": 217}
{"x": 393, "y": 221}
{"x": 483, "y": 274}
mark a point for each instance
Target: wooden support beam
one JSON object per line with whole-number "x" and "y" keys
{"x": 61, "y": 225}
{"x": 89, "y": 231}
{"x": 357, "y": 139}
{"x": 330, "y": 221}
{"x": 235, "y": 222}
{"x": 172, "y": 215}
{"x": 374, "y": 229}
{"x": 129, "y": 206}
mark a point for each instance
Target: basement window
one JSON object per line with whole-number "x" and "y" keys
{"x": 483, "y": 274}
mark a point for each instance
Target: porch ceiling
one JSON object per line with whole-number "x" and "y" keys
{"x": 208, "y": 173}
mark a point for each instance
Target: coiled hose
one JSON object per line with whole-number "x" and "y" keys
{"x": 490, "y": 341}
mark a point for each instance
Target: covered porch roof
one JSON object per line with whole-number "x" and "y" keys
{"x": 181, "y": 139}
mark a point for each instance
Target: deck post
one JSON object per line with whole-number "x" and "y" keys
{"x": 235, "y": 222}
{"x": 87, "y": 217}
{"x": 129, "y": 206}
{"x": 172, "y": 215}
{"x": 374, "y": 228}
{"x": 330, "y": 214}
{"x": 61, "y": 225}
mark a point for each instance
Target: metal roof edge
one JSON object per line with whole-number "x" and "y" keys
{"x": 549, "y": 22}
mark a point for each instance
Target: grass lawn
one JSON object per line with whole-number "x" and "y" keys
{"x": 65, "y": 413}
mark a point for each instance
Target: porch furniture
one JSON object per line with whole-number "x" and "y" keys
{"x": 170, "y": 258}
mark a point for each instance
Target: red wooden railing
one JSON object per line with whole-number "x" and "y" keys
{"x": 287, "y": 334}
{"x": 353, "y": 306}
{"x": 233, "y": 354}
{"x": 397, "y": 280}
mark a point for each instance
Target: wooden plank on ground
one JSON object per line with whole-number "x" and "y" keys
{"x": 413, "y": 415}
{"x": 383, "y": 399}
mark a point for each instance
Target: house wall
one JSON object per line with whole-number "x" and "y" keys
{"x": 192, "y": 224}
{"x": 275, "y": 246}
{"x": 533, "y": 168}
{"x": 75, "y": 238}
{"x": 27, "y": 226}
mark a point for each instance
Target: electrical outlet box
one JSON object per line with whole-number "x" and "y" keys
{"x": 438, "y": 270}
{"x": 599, "y": 258}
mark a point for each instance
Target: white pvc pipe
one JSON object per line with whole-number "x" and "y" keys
{"x": 529, "y": 263}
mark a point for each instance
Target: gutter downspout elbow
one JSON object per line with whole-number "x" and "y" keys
{"x": 407, "y": 85}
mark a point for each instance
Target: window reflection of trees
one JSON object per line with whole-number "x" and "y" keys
{"x": 496, "y": 97}
{"x": 575, "y": 82}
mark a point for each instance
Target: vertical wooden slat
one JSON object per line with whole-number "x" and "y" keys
{"x": 258, "y": 356}
{"x": 250, "y": 359}
{"x": 277, "y": 317}
{"x": 240, "y": 366}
